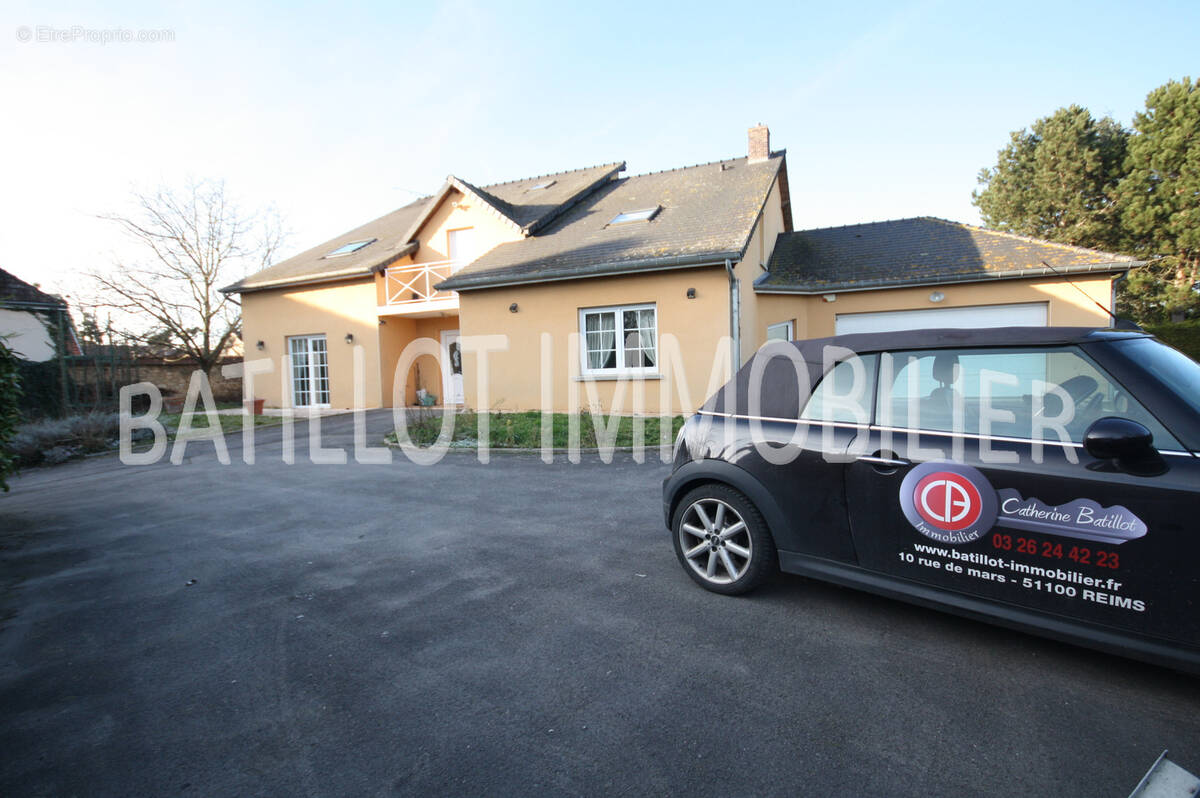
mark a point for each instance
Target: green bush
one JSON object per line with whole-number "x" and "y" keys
{"x": 10, "y": 411}
{"x": 1184, "y": 336}
{"x": 57, "y": 440}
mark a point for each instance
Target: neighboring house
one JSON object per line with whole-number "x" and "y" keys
{"x": 29, "y": 320}
{"x": 603, "y": 281}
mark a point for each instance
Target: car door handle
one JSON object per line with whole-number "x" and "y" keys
{"x": 879, "y": 459}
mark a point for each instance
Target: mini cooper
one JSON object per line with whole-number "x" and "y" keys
{"x": 1045, "y": 479}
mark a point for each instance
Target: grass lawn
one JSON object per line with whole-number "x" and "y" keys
{"x": 524, "y": 430}
{"x": 229, "y": 423}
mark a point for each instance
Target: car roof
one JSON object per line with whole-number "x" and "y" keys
{"x": 938, "y": 338}
{"x": 780, "y": 391}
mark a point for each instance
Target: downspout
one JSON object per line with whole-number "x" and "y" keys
{"x": 735, "y": 315}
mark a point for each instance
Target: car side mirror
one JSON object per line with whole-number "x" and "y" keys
{"x": 1126, "y": 444}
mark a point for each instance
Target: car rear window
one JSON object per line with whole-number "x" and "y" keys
{"x": 1178, "y": 371}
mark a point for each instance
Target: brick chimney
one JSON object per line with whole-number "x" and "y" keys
{"x": 760, "y": 143}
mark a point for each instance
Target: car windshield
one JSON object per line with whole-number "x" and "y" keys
{"x": 1178, "y": 371}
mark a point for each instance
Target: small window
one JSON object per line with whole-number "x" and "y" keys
{"x": 634, "y": 351}
{"x": 780, "y": 332}
{"x": 846, "y": 393}
{"x": 542, "y": 186}
{"x": 460, "y": 245}
{"x": 643, "y": 215}
{"x": 353, "y": 246}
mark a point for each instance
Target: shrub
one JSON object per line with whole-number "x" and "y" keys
{"x": 10, "y": 411}
{"x": 57, "y": 440}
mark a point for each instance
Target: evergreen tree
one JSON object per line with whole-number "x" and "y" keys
{"x": 1055, "y": 180}
{"x": 1159, "y": 200}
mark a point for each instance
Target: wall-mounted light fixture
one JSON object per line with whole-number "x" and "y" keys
{"x": 936, "y": 296}
{"x": 829, "y": 297}
{"x": 260, "y": 345}
{"x": 691, "y": 294}
{"x": 513, "y": 308}
{"x": 349, "y": 338}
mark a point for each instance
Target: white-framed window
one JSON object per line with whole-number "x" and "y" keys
{"x": 640, "y": 215}
{"x": 350, "y": 249}
{"x": 619, "y": 340}
{"x": 460, "y": 245}
{"x": 309, "y": 357}
{"x": 783, "y": 331}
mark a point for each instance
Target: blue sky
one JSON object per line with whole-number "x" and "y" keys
{"x": 337, "y": 114}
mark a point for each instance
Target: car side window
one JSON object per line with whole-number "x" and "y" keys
{"x": 846, "y": 393}
{"x": 1014, "y": 393}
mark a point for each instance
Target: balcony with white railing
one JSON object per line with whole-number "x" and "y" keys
{"x": 409, "y": 290}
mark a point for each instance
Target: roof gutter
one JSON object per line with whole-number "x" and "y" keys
{"x": 23, "y": 304}
{"x": 642, "y": 266}
{"x": 271, "y": 286}
{"x": 328, "y": 277}
{"x": 884, "y": 284}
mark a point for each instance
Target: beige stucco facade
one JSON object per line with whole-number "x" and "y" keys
{"x": 753, "y": 265}
{"x": 540, "y": 341}
{"x": 359, "y": 307}
{"x": 1069, "y": 304}
{"x": 335, "y": 311}
{"x": 699, "y": 325}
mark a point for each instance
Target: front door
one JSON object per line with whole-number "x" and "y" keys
{"x": 452, "y": 374}
{"x": 1057, "y": 531}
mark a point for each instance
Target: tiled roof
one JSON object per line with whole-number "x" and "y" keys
{"x": 707, "y": 214}
{"x": 15, "y": 290}
{"x": 918, "y": 251}
{"x": 16, "y": 293}
{"x": 526, "y": 209}
{"x": 312, "y": 265}
{"x": 532, "y": 208}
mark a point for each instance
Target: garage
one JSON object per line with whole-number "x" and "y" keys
{"x": 924, "y": 272}
{"x": 1029, "y": 314}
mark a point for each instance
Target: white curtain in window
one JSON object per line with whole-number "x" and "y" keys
{"x": 601, "y": 339}
{"x": 639, "y": 338}
{"x": 649, "y": 345}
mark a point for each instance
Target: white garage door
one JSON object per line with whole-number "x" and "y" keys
{"x": 1032, "y": 314}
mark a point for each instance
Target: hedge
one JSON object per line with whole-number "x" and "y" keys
{"x": 1184, "y": 336}
{"x": 10, "y": 411}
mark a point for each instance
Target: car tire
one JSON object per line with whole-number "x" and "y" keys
{"x": 722, "y": 541}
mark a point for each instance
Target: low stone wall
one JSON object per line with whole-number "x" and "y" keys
{"x": 172, "y": 377}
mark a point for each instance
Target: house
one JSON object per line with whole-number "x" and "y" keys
{"x": 32, "y": 321}
{"x": 596, "y": 288}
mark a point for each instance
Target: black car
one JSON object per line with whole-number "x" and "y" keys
{"x": 1046, "y": 479}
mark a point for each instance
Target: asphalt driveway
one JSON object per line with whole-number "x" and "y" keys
{"x": 516, "y": 628}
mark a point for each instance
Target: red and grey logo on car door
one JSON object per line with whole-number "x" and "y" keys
{"x": 954, "y": 503}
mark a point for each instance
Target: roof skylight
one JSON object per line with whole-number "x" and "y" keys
{"x": 540, "y": 186}
{"x": 352, "y": 247}
{"x": 643, "y": 215}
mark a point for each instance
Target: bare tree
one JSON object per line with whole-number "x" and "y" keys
{"x": 194, "y": 240}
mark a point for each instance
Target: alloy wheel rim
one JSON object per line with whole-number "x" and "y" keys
{"x": 715, "y": 541}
